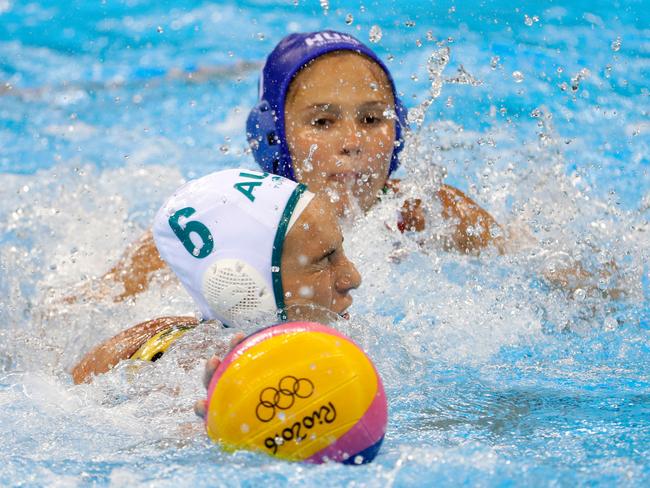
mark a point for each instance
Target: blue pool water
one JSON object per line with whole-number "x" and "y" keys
{"x": 494, "y": 375}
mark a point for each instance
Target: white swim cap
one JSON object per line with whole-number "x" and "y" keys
{"x": 223, "y": 234}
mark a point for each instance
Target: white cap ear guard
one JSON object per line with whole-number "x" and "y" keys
{"x": 223, "y": 234}
{"x": 238, "y": 291}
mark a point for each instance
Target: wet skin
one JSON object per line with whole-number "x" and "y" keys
{"x": 337, "y": 119}
{"x": 315, "y": 269}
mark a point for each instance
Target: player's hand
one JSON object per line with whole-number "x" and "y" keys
{"x": 201, "y": 406}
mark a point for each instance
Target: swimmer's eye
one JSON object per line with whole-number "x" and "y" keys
{"x": 327, "y": 257}
{"x": 321, "y": 122}
{"x": 371, "y": 119}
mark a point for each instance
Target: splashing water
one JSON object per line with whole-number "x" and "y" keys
{"x": 575, "y": 80}
{"x": 495, "y": 374}
{"x": 375, "y": 34}
{"x": 307, "y": 165}
{"x": 463, "y": 78}
{"x": 435, "y": 66}
{"x": 325, "y": 5}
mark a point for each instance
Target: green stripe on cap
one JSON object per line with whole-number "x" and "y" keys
{"x": 278, "y": 244}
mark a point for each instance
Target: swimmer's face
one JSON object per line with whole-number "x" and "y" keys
{"x": 315, "y": 270}
{"x": 335, "y": 120}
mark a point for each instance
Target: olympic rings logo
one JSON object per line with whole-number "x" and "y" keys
{"x": 283, "y": 397}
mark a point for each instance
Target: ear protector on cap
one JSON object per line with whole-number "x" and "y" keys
{"x": 264, "y": 141}
{"x": 238, "y": 291}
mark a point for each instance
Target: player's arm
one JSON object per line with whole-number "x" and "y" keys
{"x": 131, "y": 274}
{"x": 124, "y": 345}
{"x": 473, "y": 226}
{"x": 135, "y": 268}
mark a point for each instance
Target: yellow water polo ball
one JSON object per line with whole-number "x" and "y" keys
{"x": 298, "y": 391}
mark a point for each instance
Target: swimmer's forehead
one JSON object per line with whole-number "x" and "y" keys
{"x": 340, "y": 77}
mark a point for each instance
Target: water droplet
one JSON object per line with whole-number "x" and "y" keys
{"x": 224, "y": 149}
{"x": 610, "y": 323}
{"x": 528, "y": 21}
{"x": 260, "y": 36}
{"x": 518, "y": 76}
{"x": 494, "y": 62}
{"x": 409, "y": 23}
{"x": 414, "y": 77}
{"x": 616, "y": 44}
{"x": 390, "y": 114}
{"x": 495, "y": 231}
{"x": 418, "y": 43}
{"x": 306, "y": 292}
{"x": 464, "y": 78}
{"x": 416, "y": 116}
{"x": 375, "y": 34}
{"x": 349, "y": 19}
{"x": 579, "y": 295}
{"x": 325, "y": 5}
{"x": 307, "y": 166}
{"x": 159, "y": 29}
{"x": 429, "y": 35}
{"x": 333, "y": 195}
{"x": 245, "y": 428}
{"x": 275, "y": 269}
{"x": 581, "y": 75}
{"x": 435, "y": 66}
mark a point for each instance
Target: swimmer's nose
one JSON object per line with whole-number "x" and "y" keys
{"x": 348, "y": 278}
{"x": 350, "y": 138}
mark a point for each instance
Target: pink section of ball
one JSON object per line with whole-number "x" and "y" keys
{"x": 367, "y": 431}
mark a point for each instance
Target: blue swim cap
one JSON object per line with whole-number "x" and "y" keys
{"x": 265, "y": 125}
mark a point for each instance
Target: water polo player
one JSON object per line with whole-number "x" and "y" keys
{"x": 327, "y": 103}
{"x": 250, "y": 248}
{"x": 329, "y": 116}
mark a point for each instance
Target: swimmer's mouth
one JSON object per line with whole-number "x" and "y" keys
{"x": 345, "y": 176}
